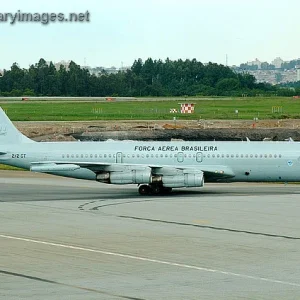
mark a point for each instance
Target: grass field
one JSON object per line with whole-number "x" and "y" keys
{"x": 5, "y": 167}
{"x": 156, "y": 109}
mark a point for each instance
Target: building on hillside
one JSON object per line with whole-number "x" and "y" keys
{"x": 255, "y": 62}
{"x": 62, "y": 62}
{"x": 277, "y": 62}
{"x": 298, "y": 72}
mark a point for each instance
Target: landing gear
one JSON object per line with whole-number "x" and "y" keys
{"x": 154, "y": 189}
{"x": 144, "y": 190}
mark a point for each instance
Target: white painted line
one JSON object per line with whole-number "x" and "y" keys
{"x": 151, "y": 260}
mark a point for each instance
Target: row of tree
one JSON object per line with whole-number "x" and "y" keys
{"x": 149, "y": 78}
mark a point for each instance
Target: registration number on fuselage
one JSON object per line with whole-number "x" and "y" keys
{"x": 18, "y": 155}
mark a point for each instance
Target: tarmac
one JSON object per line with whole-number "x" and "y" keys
{"x": 71, "y": 239}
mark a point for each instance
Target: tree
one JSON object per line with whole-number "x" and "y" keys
{"x": 151, "y": 78}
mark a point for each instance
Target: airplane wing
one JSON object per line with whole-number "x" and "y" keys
{"x": 211, "y": 172}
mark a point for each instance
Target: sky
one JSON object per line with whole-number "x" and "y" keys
{"x": 120, "y": 31}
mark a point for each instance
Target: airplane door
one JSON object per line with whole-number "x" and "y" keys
{"x": 199, "y": 157}
{"x": 119, "y": 158}
{"x": 180, "y": 157}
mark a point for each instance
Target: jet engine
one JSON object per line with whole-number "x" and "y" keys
{"x": 125, "y": 177}
{"x": 184, "y": 180}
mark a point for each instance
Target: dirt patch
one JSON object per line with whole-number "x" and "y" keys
{"x": 161, "y": 130}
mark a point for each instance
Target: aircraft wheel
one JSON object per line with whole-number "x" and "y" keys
{"x": 156, "y": 189}
{"x": 144, "y": 190}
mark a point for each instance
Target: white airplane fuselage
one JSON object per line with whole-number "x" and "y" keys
{"x": 248, "y": 161}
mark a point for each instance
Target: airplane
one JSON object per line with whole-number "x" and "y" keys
{"x": 156, "y": 167}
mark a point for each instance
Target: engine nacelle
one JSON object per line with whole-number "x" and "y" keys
{"x": 126, "y": 177}
{"x": 53, "y": 167}
{"x": 184, "y": 180}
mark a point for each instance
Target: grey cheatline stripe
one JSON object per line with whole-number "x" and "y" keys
{"x": 162, "y": 262}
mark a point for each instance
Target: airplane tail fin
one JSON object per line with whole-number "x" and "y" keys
{"x": 9, "y": 134}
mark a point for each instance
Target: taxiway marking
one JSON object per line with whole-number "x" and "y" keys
{"x": 146, "y": 259}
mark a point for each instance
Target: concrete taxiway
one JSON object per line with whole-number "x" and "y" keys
{"x": 70, "y": 239}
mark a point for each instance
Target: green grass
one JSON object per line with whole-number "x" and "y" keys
{"x": 154, "y": 109}
{"x": 9, "y": 168}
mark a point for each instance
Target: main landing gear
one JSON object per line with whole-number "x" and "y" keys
{"x": 153, "y": 189}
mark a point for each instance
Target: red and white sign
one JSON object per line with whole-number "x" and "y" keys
{"x": 187, "y": 108}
